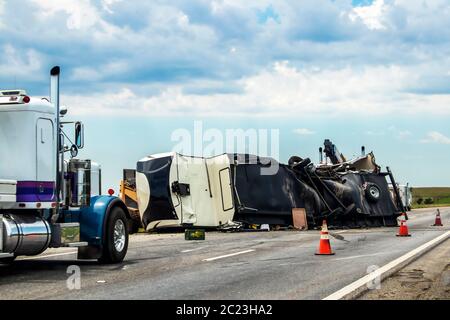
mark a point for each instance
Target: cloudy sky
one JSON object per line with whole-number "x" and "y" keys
{"x": 359, "y": 72}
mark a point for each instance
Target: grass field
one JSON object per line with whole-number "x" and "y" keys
{"x": 439, "y": 196}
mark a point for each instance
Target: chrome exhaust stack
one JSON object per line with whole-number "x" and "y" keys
{"x": 54, "y": 86}
{"x": 54, "y": 97}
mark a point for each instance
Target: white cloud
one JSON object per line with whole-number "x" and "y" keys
{"x": 85, "y": 74}
{"x": 403, "y": 134}
{"x": 285, "y": 90}
{"x": 400, "y": 134}
{"x": 102, "y": 72}
{"x": 20, "y": 63}
{"x": 112, "y": 103}
{"x": 183, "y": 49}
{"x": 81, "y": 14}
{"x": 371, "y": 15}
{"x": 222, "y": 5}
{"x": 436, "y": 137}
{"x": 106, "y": 4}
{"x": 2, "y": 9}
{"x": 304, "y": 131}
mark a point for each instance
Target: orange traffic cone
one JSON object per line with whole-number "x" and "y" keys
{"x": 324, "y": 245}
{"x": 437, "y": 221}
{"x": 403, "y": 229}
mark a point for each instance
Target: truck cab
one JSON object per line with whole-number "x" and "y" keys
{"x": 27, "y": 139}
{"x": 48, "y": 197}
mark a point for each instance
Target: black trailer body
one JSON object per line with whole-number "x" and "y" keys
{"x": 350, "y": 199}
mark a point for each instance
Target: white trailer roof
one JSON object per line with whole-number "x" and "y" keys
{"x": 36, "y": 104}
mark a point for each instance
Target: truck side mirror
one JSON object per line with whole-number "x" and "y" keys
{"x": 79, "y": 135}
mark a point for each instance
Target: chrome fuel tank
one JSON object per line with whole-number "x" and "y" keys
{"x": 25, "y": 234}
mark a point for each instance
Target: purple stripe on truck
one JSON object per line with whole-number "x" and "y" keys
{"x": 35, "y": 191}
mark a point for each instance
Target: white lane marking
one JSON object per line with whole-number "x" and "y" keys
{"x": 190, "y": 250}
{"x": 48, "y": 256}
{"x": 228, "y": 255}
{"x": 360, "y": 256}
{"x": 379, "y": 272}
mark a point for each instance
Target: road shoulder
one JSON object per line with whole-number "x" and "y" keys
{"x": 426, "y": 278}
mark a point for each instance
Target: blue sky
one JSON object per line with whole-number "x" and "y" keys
{"x": 359, "y": 72}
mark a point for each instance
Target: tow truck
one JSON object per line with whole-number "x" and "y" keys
{"x": 47, "y": 201}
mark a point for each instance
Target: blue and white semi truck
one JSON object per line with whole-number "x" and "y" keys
{"x": 46, "y": 200}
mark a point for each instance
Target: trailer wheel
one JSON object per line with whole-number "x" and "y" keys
{"x": 115, "y": 245}
{"x": 294, "y": 160}
{"x": 298, "y": 165}
{"x": 373, "y": 193}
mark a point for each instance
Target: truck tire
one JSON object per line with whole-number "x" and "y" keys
{"x": 294, "y": 160}
{"x": 373, "y": 192}
{"x": 115, "y": 244}
{"x": 299, "y": 165}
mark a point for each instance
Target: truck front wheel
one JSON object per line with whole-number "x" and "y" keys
{"x": 115, "y": 244}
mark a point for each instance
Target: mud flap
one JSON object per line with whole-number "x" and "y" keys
{"x": 89, "y": 252}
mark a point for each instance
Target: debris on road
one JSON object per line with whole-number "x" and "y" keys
{"x": 338, "y": 236}
{"x": 197, "y": 234}
{"x": 234, "y": 192}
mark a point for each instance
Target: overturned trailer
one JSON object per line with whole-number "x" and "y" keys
{"x": 175, "y": 190}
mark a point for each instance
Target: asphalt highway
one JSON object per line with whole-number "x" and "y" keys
{"x": 256, "y": 265}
